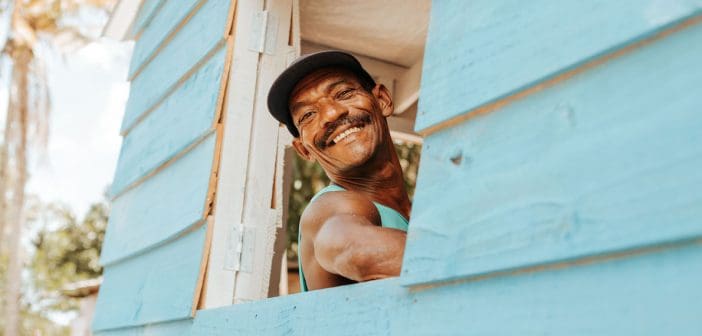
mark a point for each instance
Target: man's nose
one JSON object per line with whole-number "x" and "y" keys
{"x": 332, "y": 111}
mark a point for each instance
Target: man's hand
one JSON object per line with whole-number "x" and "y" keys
{"x": 342, "y": 237}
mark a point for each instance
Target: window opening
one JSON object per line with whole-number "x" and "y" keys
{"x": 393, "y": 55}
{"x": 388, "y": 39}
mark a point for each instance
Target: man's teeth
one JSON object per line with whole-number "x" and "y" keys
{"x": 346, "y": 133}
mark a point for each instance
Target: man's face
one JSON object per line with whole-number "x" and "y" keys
{"x": 341, "y": 125}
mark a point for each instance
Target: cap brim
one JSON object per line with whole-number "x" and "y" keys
{"x": 279, "y": 94}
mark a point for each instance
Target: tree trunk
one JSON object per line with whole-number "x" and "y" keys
{"x": 3, "y": 191}
{"x": 16, "y": 138}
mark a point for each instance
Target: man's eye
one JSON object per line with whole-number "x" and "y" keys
{"x": 345, "y": 94}
{"x": 305, "y": 116}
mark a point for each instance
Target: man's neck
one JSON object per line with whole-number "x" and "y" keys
{"x": 380, "y": 180}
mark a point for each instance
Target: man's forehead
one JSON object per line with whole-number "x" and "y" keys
{"x": 322, "y": 78}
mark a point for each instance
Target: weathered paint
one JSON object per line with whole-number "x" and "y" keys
{"x": 480, "y": 51}
{"x": 652, "y": 294}
{"x": 200, "y": 36}
{"x": 237, "y": 119}
{"x": 157, "y": 239}
{"x": 178, "y": 327}
{"x": 257, "y": 199}
{"x": 153, "y": 287}
{"x": 568, "y": 211}
{"x": 600, "y": 162}
{"x": 162, "y": 206}
{"x": 146, "y": 12}
{"x": 183, "y": 118}
{"x": 164, "y": 23}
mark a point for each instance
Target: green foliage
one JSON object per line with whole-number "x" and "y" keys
{"x": 409, "y": 154}
{"x": 67, "y": 254}
{"x": 309, "y": 178}
{"x": 43, "y": 296}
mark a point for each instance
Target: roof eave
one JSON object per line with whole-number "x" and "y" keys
{"x": 121, "y": 19}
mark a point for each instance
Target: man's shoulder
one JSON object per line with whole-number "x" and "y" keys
{"x": 337, "y": 202}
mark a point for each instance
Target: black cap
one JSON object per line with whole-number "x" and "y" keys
{"x": 282, "y": 87}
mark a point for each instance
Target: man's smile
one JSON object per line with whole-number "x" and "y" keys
{"x": 343, "y": 128}
{"x": 345, "y": 133}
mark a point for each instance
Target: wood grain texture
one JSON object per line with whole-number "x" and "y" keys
{"x": 183, "y": 118}
{"x": 604, "y": 161}
{"x": 177, "y": 327}
{"x": 652, "y": 294}
{"x": 259, "y": 214}
{"x": 481, "y": 51}
{"x": 157, "y": 286}
{"x": 199, "y": 38}
{"x": 162, "y": 207}
{"x": 146, "y": 12}
{"x": 166, "y": 21}
{"x": 237, "y": 120}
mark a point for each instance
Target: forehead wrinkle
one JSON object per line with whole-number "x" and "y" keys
{"x": 309, "y": 84}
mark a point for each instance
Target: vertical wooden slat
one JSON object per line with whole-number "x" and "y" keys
{"x": 258, "y": 215}
{"x": 237, "y": 123}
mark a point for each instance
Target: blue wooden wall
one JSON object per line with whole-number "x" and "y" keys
{"x": 156, "y": 244}
{"x": 558, "y": 192}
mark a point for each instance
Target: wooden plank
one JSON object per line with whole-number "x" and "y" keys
{"x": 259, "y": 215}
{"x": 482, "y": 51}
{"x": 237, "y": 121}
{"x": 121, "y": 19}
{"x": 184, "y": 118}
{"x": 162, "y": 207}
{"x": 190, "y": 47}
{"x": 170, "y": 17}
{"x": 651, "y": 294}
{"x": 177, "y": 327}
{"x": 147, "y": 11}
{"x": 604, "y": 161}
{"x": 157, "y": 286}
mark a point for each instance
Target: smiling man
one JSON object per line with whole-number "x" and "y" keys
{"x": 354, "y": 229}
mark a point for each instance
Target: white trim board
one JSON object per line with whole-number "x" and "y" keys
{"x": 121, "y": 19}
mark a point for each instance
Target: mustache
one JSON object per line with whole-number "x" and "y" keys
{"x": 358, "y": 120}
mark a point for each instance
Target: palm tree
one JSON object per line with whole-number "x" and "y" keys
{"x": 31, "y": 22}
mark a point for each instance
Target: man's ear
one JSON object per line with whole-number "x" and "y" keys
{"x": 382, "y": 94}
{"x": 300, "y": 149}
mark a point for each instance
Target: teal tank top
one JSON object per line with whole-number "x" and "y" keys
{"x": 389, "y": 218}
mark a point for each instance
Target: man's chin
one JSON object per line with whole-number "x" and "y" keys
{"x": 355, "y": 162}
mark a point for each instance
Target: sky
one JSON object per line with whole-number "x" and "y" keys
{"x": 88, "y": 90}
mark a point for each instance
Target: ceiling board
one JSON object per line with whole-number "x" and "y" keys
{"x": 392, "y": 30}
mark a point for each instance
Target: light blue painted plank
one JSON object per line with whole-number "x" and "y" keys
{"x": 607, "y": 160}
{"x": 178, "y": 327}
{"x": 655, "y": 294}
{"x": 164, "y": 22}
{"x": 183, "y": 118}
{"x": 480, "y": 51}
{"x": 200, "y": 36}
{"x": 157, "y": 286}
{"x": 146, "y": 13}
{"x": 162, "y": 206}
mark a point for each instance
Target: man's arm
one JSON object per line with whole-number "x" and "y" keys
{"x": 347, "y": 239}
